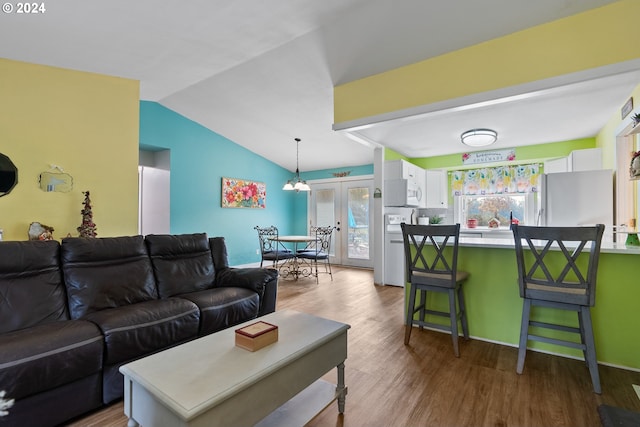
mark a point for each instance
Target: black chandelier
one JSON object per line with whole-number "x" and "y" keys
{"x": 297, "y": 183}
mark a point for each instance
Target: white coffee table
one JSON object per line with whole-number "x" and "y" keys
{"x": 211, "y": 382}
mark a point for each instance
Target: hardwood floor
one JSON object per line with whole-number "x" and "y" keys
{"x": 423, "y": 384}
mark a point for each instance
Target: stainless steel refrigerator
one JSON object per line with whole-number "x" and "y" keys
{"x": 578, "y": 198}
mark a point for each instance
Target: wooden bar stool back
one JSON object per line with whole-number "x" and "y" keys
{"x": 559, "y": 270}
{"x": 431, "y": 256}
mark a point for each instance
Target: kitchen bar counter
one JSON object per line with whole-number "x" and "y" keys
{"x": 501, "y": 242}
{"x": 494, "y": 306}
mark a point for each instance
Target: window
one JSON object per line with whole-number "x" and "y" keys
{"x": 498, "y": 206}
{"x": 496, "y": 192}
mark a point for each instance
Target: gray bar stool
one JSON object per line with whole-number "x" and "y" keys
{"x": 431, "y": 255}
{"x": 566, "y": 285}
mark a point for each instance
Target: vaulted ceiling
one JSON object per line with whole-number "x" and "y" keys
{"x": 261, "y": 73}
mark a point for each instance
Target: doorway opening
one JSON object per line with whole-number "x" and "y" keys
{"x": 154, "y": 192}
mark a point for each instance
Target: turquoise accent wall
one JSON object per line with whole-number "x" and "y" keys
{"x": 199, "y": 160}
{"x": 328, "y": 173}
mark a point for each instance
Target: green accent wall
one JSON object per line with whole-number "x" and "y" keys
{"x": 494, "y": 306}
{"x": 526, "y": 154}
{"x": 389, "y": 154}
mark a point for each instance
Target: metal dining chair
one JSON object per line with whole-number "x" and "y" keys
{"x": 559, "y": 270}
{"x": 431, "y": 256}
{"x": 270, "y": 248}
{"x": 319, "y": 249}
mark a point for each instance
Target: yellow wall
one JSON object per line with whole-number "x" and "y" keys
{"x": 85, "y": 123}
{"x": 606, "y": 138}
{"x": 598, "y": 37}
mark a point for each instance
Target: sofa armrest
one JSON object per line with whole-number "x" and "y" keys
{"x": 263, "y": 281}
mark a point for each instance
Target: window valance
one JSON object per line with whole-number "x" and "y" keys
{"x": 496, "y": 180}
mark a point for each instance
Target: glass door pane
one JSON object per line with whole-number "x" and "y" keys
{"x": 358, "y": 222}
{"x": 325, "y": 212}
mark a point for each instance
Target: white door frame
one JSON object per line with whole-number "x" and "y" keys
{"x": 339, "y": 250}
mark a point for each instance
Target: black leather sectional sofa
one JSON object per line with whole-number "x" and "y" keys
{"x": 72, "y": 313}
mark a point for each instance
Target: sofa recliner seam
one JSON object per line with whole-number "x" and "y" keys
{"x": 156, "y": 322}
{"x": 227, "y": 304}
{"x": 49, "y": 353}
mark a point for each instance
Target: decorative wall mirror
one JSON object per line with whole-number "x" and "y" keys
{"x": 8, "y": 175}
{"x": 56, "y": 180}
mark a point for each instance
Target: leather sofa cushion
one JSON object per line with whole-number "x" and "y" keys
{"x": 224, "y": 307}
{"x": 254, "y": 279}
{"x": 139, "y": 329}
{"x": 47, "y": 356}
{"x": 181, "y": 263}
{"x": 219, "y": 253}
{"x": 55, "y": 407}
{"x": 106, "y": 272}
{"x": 31, "y": 288}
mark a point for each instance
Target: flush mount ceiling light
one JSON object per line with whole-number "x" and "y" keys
{"x": 297, "y": 183}
{"x": 479, "y": 137}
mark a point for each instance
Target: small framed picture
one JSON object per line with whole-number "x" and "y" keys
{"x": 626, "y": 108}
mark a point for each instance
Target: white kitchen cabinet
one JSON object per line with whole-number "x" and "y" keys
{"x": 556, "y": 165}
{"x": 400, "y": 169}
{"x": 584, "y": 160}
{"x": 421, "y": 178}
{"x": 578, "y": 160}
{"x": 437, "y": 195}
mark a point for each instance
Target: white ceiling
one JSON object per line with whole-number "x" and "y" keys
{"x": 262, "y": 72}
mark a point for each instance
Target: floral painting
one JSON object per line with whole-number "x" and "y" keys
{"x": 240, "y": 193}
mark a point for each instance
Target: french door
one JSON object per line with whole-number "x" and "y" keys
{"x": 347, "y": 205}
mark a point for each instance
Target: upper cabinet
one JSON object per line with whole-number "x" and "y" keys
{"x": 585, "y": 160}
{"x": 578, "y": 160}
{"x": 437, "y": 194}
{"x": 401, "y": 169}
{"x": 556, "y": 165}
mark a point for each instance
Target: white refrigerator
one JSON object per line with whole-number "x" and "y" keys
{"x": 578, "y": 198}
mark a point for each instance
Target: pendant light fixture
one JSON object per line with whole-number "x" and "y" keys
{"x": 297, "y": 183}
{"x": 479, "y": 137}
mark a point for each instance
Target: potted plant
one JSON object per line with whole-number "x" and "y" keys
{"x": 436, "y": 219}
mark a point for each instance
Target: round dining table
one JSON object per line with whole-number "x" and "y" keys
{"x": 295, "y": 266}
